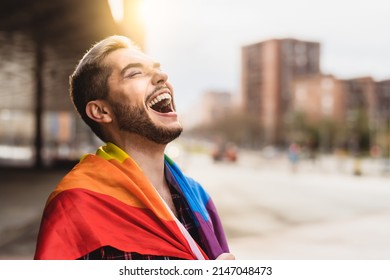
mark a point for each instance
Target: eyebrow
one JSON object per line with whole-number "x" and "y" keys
{"x": 138, "y": 65}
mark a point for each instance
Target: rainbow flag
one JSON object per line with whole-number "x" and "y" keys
{"x": 106, "y": 200}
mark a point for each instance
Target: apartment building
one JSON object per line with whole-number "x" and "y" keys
{"x": 268, "y": 71}
{"x": 319, "y": 96}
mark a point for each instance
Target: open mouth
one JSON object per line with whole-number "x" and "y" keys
{"x": 162, "y": 103}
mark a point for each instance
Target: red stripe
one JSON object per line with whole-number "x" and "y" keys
{"x": 124, "y": 181}
{"x": 78, "y": 221}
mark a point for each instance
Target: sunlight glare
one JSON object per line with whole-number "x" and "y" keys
{"x": 117, "y": 9}
{"x": 144, "y": 11}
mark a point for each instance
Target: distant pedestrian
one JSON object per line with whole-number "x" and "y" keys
{"x": 293, "y": 156}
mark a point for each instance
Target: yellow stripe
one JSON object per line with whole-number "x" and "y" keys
{"x": 111, "y": 151}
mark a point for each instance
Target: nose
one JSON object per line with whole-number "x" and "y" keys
{"x": 159, "y": 77}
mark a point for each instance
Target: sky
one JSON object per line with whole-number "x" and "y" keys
{"x": 198, "y": 42}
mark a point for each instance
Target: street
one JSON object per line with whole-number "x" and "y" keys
{"x": 318, "y": 212}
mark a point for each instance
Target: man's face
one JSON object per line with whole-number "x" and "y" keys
{"x": 140, "y": 96}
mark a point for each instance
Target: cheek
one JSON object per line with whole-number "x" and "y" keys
{"x": 137, "y": 92}
{"x": 130, "y": 96}
{"x": 132, "y": 91}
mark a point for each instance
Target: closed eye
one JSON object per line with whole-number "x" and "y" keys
{"x": 133, "y": 74}
{"x": 131, "y": 70}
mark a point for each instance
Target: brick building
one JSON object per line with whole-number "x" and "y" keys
{"x": 319, "y": 96}
{"x": 268, "y": 71}
{"x": 359, "y": 105}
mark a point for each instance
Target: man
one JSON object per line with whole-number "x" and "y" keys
{"x": 129, "y": 200}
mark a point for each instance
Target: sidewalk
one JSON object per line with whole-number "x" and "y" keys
{"x": 23, "y": 195}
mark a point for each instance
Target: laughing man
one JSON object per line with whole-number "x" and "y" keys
{"x": 129, "y": 200}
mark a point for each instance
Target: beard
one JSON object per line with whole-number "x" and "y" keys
{"x": 135, "y": 120}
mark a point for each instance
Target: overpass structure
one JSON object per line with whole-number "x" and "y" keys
{"x": 40, "y": 44}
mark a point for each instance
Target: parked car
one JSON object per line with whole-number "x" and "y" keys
{"x": 224, "y": 152}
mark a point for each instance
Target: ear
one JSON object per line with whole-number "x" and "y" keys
{"x": 98, "y": 111}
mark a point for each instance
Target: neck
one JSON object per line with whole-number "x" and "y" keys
{"x": 150, "y": 158}
{"x": 148, "y": 155}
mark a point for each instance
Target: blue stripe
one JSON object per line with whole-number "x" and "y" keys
{"x": 194, "y": 193}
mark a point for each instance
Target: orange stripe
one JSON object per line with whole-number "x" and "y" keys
{"x": 123, "y": 181}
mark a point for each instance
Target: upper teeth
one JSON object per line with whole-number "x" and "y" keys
{"x": 159, "y": 98}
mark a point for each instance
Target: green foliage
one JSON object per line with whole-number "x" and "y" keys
{"x": 326, "y": 134}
